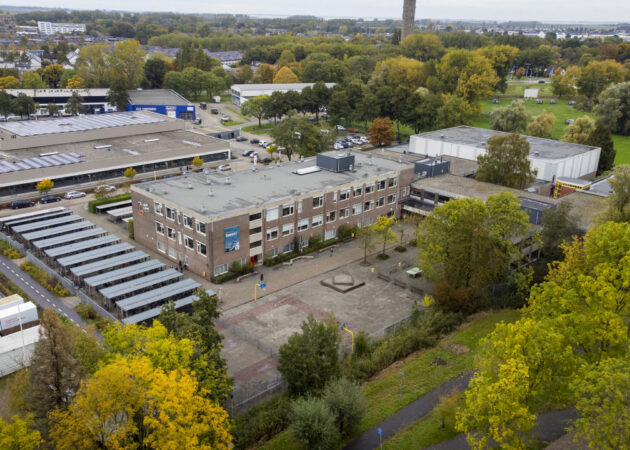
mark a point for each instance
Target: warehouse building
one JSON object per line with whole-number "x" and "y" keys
{"x": 75, "y": 150}
{"x": 161, "y": 101}
{"x": 212, "y": 221}
{"x": 243, "y": 92}
{"x": 552, "y": 159}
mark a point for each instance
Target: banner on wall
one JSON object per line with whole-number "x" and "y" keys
{"x": 231, "y": 239}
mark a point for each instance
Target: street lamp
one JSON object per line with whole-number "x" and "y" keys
{"x": 261, "y": 285}
{"x": 402, "y": 374}
{"x": 344, "y": 327}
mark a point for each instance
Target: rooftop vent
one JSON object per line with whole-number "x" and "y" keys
{"x": 102, "y": 146}
{"x": 227, "y": 180}
{"x": 203, "y": 208}
{"x": 210, "y": 193}
{"x": 483, "y": 143}
{"x": 441, "y": 136}
{"x": 189, "y": 186}
{"x": 208, "y": 181}
{"x": 195, "y": 144}
{"x": 151, "y": 140}
{"x": 536, "y": 153}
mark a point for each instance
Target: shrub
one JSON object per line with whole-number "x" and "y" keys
{"x": 104, "y": 201}
{"x": 382, "y": 256}
{"x": 413, "y": 243}
{"x": 41, "y": 276}
{"x": 130, "y": 229}
{"x": 314, "y": 425}
{"x": 346, "y": 232}
{"x": 400, "y": 248}
{"x": 8, "y": 250}
{"x": 345, "y": 400}
{"x": 262, "y": 422}
{"x": 362, "y": 345}
{"x": 452, "y": 298}
{"x": 88, "y": 313}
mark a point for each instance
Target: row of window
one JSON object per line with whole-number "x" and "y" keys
{"x": 172, "y": 235}
{"x": 162, "y": 247}
{"x": 181, "y": 218}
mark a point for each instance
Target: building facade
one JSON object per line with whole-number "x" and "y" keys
{"x": 243, "y": 92}
{"x": 51, "y": 28}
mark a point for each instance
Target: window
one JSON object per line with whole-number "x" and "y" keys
{"x": 318, "y": 201}
{"x": 179, "y": 217}
{"x": 369, "y": 188}
{"x": 391, "y": 198}
{"x": 302, "y": 224}
{"x": 170, "y": 233}
{"x": 272, "y": 213}
{"x": 172, "y": 253}
{"x": 287, "y": 248}
{"x": 393, "y": 182}
{"x": 304, "y": 242}
{"x": 335, "y": 196}
{"x": 287, "y": 229}
{"x": 170, "y": 213}
{"x": 344, "y": 195}
{"x": 380, "y": 202}
{"x": 368, "y": 206}
{"x": 356, "y": 209}
{"x": 273, "y": 252}
{"x": 317, "y": 221}
{"x": 272, "y": 234}
{"x": 188, "y": 221}
{"x": 299, "y": 203}
{"x": 201, "y": 248}
{"x": 159, "y": 228}
{"x": 189, "y": 242}
{"x": 330, "y": 234}
{"x": 161, "y": 247}
{"x": 358, "y": 191}
{"x": 367, "y": 222}
{"x": 201, "y": 227}
{"x": 287, "y": 210}
{"x": 331, "y": 216}
{"x": 256, "y": 216}
{"x": 380, "y": 185}
{"x": 343, "y": 213}
{"x": 239, "y": 262}
{"x": 220, "y": 270}
{"x": 406, "y": 191}
{"x": 158, "y": 208}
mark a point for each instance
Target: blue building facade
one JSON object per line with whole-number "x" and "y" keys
{"x": 162, "y": 101}
{"x": 184, "y": 112}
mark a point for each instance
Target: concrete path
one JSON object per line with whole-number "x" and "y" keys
{"x": 408, "y": 415}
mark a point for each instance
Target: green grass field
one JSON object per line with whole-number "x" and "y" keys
{"x": 517, "y": 88}
{"x": 382, "y": 392}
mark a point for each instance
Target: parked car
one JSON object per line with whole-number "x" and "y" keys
{"x": 225, "y": 119}
{"x": 569, "y": 121}
{"x": 50, "y": 199}
{"x": 572, "y": 102}
{"x": 539, "y": 101}
{"x": 253, "y": 155}
{"x": 214, "y": 111}
{"x": 541, "y": 81}
{"x": 168, "y": 175}
{"x": 553, "y": 101}
{"x": 74, "y": 194}
{"x": 203, "y": 105}
{"x": 495, "y": 101}
{"x": 325, "y": 116}
{"x": 266, "y": 160}
{"x": 224, "y": 167}
{"x": 353, "y": 130}
{"x": 340, "y": 128}
{"x": 264, "y": 144}
{"x": 17, "y": 204}
{"x": 248, "y": 152}
{"x": 184, "y": 172}
{"x": 254, "y": 141}
{"x": 241, "y": 139}
{"x": 197, "y": 121}
{"x": 106, "y": 188}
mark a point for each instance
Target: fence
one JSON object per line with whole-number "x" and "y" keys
{"x": 247, "y": 337}
{"x": 245, "y": 396}
{"x": 63, "y": 280}
{"x": 99, "y": 309}
{"x": 386, "y": 331}
{"x": 15, "y": 244}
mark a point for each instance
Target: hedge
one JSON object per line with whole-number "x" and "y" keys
{"x": 8, "y": 251}
{"x": 41, "y": 276}
{"x": 104, "y": 201}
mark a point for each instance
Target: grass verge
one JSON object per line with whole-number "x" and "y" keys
{"x": 7, "y": 250}
{"x": 7, "y": 287}
{"x": 41, "y": 276}
{"x": 231, "y": 123}
{"x": 229, "y": 108}
{"x": 253, "y": 128}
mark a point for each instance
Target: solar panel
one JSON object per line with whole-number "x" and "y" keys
{"x": 157, "y": 295}
{"x": 47, "y": 215}
{"x": 94, "y": 254}
{"x": 154, "y": 312}
{"x": 50, "y": 232}
{"x": 22, "y": 166}
{"x": 46, "y": 223}
{"x": 41, "y": 161}
{"x": 109, "y": 263}
{"x": 76, "y": 155}
{"x": 83, "y": 245}
{"x": 139, "y": 284}
{"x": 124, "y": 273}
{"x": 70, "y": 237}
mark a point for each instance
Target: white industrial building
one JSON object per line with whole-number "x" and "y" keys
{"x": 552, "y": 159}
{"x": 48, "y": 28}
{"x": 19, "y": 330}
{"x": 243, "y": 92}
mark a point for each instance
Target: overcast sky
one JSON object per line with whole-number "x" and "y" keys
{"x": 541, "y": 10}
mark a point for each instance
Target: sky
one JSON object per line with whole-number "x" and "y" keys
{"x": 583, "y": 11}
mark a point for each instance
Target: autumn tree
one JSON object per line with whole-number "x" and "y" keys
{"x": 257, "y": 107}
{"x": 366, "y": 237}
{"x": 18, "y": 435}
{"x": 197, "y": 162}
{"x": 401, "y": 72}
{"x": 266, "y": 73}
{"x": 598, "y": 75}
{"x": 519, "y": 73}
{"x": 512, "y": 118}
{"x": 502, "y": 58}
{"x": 9, "y": 82}
{"x": 566, "y": 85}
{"x": 126, "y": 64}
{"x": 55, "y": 374}
{"x": 613, "y": 109}
{"x": 129, "y": 173}
{"x": 541, "y": 125}
{"x": 75, "y": 82}
{"x": 381, "y": 131}
{"x": 285, "y": 75}
{"x": 33, "y": 80}
{"x": 92, "y": 64}
{"x": 453, "y": 111}
{"x": 506, "y": 162}
{"x": 245, "y": 73}
{"x": 422, "y": 46}
{"x": 45, "y": 185}
{"x": 580, "y": 131}
{"x": 308, "y": 360}
{"x": 75, "y": 104}
{"x": 384, "y": 233}
{"x": 447, "y": 407}
{"x": 618, "y": 209}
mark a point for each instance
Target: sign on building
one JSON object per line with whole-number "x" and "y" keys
{"x": 231, "y": 239}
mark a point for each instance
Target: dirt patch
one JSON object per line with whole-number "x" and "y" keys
{"x": 457, "y": 349}
{"x": 437, "y": 361}
{"x": 70, "y": 301}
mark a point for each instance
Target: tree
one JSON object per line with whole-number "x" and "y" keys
{"x": 197, "y": 162}
{"x": 52, "y": 74}
{"x": 346, "y": 401}
{"x": 44, "y": 186}
{"x": 580, "y": 131}
{"x": 456, "y": 239}
{"x": 565, "y": 85}
{"x": 506, "y": 162}
{"x": 129, "y": 173}
{"x": 257, "y": 107}
{"x": 398, "y": 72}
{"x": 245, "y": 73}
{"x": 454, "y": 111}
{"x": 598, "y": 75}
{"x": 129, "y": 403}
{"x": 502, "y": 58}
{"x": 519, "y": 73}
{"x": 118, "y": 96}
{"x": 559, "y": 225}
{"x": 9, "y": 82}
{"x": 447, "y": 407}
{"x": 33, "y": 80}
{"x": 422, "y": 46}
{"x": 126, "y": 64}
{"x": 75, "y": 104}
{"x": 601, "y": 138}
{"x": 17, "y": 434}
{"x": 92, "y": 64}
{"x": 613, "y": 109}
{"x": 366, "y": 236}
{"x": 338, "y": 107}
{"x": 572, "y": 331}
{"x": 154, "y": 72}
{"x": 6, "y": 104}
{"x": 383, "y": 230}
{"x": 512, "y": 118}
{"x": 298, "y": 135}
{"x": 618, "y": 209}
{"x": 23, "y": 105}
{"x": 55, "y": 375}
{"x": 193, "y": 83}
{"x": 313, "y": 424}
{"x": 308, "y": 360}
{"x": 285, "y": 75}
{"x": 541, "y": 125}
{"x": 52, "y": 109}
{"x": 265, "y": 72}
{"x": 75, "y": 82}
{"x": 381, "y": 131}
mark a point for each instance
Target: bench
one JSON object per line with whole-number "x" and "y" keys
{"x": 383, "y": 277}
{"x": 416, "y": 290}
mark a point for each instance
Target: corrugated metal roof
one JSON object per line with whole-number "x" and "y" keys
{"x": 157, "y": 295}
{"x": 108, "y": 263}
{"x": 46, "y": 223}
{"x": 83, "y": 245}
{"x": 124, "y": 273}
{"x": 56, "y": 231}
{"x": 94, "y": 254}
{"x": 70, "y": 237}
{"x": 140, "y": 283}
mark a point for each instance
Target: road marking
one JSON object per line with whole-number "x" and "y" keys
{"x": 48, "y": 300}
{"x": 38, "y": 292}
{"x": 71, "y": 319}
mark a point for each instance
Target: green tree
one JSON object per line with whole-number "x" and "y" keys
{"x": 559, "y": 226}
{"x": 580, "y": 131}
{"x": 33, "y": 80}
{"x": 44, "y": 186}
{"x": 308, "y": 360}
{"x": 565, "y": 85}
{"x": 601, "y": 138}
{"x": 598, "y": 75}
{"x": 613, "y": 109}
{"x": 454, "y": 111}
{"x": 6, "y": 103}
{"x": 257, "y": 107}
{"x": 126, "y": 64}
{"x": 92, "y": 64}
{"x": 53, "y": 109}
{"x": 52, "y": 74}
{"x": 541, "y": 125}
{"x": 383, "y": 230}
{"x": 118, "y": 96}
{"x": 245, "y": 73}
{"x": 502, "y": 58}
{"x": 298, "y": 135}
{"x": 512, "y": 118}
{"x": 266, "y": 73}
{"x": 75, "y": 104}
{"x": 422, "y": 46}
{"x": 381, "y": 131}
{"x": 338, "y": 107}
{"x": 366, "y": 237}
{"x": 154, "y": 72}
{"x": 447, "y": 407}
{"x": 618, "y": 209}
{"x": 313, "y": 424}
{"x": 506, "y": 162}
{"x": 346, "y": 401}
{"x": 17, "y": 434}
{"x": 23, "y": 105}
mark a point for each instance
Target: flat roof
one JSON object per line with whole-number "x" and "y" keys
{"x": 156, "y": 295}
{"x": 478, "y": 137}
{"x": 154, "y": 312}
{"x": 46, "y": 223}
{"x": 120, "y": 212}
{"x": 108, "y": 263}
{"x": 164, "y": 97}
{"x": 274, "y": 86}
{"x": 47, "y": 215}
{"x": 113, "y": 205}
{"x": 79, "y": 123}
{"x": 69, "y": 237}
{"x": 29, "y": 215}
{"x": 95, "y": 254}
{"x": 125, "y": 272}
{"x": 268, "y": 184}
{"x": 140, "y": 283}
{"x": 83, "y": 245}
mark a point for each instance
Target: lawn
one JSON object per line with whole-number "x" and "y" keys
{"x": 238, "y": 113}
{"x": 382, "y": 392}
{"x": 517, "y": 88}
{"x": 263, "y": 127}
{"x": 231, "y": 123}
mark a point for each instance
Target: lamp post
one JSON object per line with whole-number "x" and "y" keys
{"x": 402, "y": 374}
{"x": 344, "y": 327}
{"x": 261, "y": 285}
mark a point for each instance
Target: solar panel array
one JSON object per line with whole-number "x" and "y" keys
{"x": 40, "y": 162}
{"x": 111, "y": 269}
{"x": 82, "y": 123}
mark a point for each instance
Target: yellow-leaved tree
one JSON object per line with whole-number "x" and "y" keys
{"x": 285, "y": 75}
{"x": 45, "y": 185}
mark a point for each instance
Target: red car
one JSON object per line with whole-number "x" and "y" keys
{"x": 353, "y": 130}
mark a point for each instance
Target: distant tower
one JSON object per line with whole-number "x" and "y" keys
{"x": 409, "y": 18}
